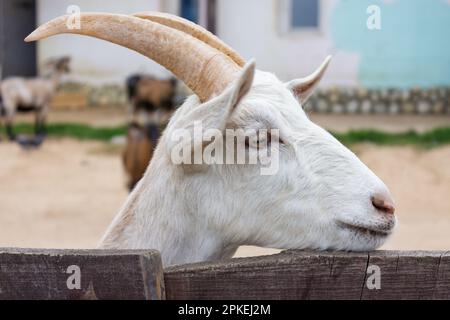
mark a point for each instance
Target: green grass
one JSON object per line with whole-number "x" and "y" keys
{"x": 73, "y": 130}
{"x": 432, "y": 138}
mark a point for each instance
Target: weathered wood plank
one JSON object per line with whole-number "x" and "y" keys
{"x": 442, "y": 288}
{"x": 315, "y": 275}
{"x": 45, "y": 274}
{"x": 48, "y": 274}
{"x": 405, "y": 275}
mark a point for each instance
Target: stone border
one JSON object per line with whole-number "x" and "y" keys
{"x": 381, "y": 101}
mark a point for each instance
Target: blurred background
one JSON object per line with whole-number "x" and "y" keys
{"x": 65, "y": 171}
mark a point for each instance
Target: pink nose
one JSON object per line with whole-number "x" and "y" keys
{"x": 384, "y": 204}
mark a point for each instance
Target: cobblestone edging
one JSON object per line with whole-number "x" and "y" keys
{"x": 332, "y": 100}
{"x": 381, "y": 101}
{"x": 79, "y": 96}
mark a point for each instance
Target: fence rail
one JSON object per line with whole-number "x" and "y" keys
{"x": 93, "y": 274}
{"x": 312, "y": 275}
{"x": 80, "y": 274}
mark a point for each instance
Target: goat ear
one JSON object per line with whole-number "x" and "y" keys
{"x": 231, "y": 97}
{"x": 304, "y": 88}
{"x": 215, "y": 113}
{"x": 242, "y": 86}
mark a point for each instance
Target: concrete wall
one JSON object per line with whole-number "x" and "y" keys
{"x": 410, "y": 50}
{"x": 253, "y": 27}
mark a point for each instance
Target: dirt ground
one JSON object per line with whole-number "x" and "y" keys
{"x": 65, "y": 194}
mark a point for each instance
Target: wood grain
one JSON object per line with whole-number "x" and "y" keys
{"x": 314, "y": 275}
{"x": 42, "y": 274}
{"x": 306, "y": 275}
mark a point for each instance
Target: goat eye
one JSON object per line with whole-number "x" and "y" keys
{"x": 276, "y": 138}
{"x": 247, "y": 142}
{"x": 258, "y": 143}
{"x": 269, "y": 138}
{"x": 264, "y": 141}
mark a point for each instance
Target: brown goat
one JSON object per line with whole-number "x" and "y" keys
{"x": 149, "y": 94}
{"x": 137, "y": 154}
{"x": 152, "y": 103}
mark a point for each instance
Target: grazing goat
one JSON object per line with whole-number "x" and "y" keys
{"x": 322, "y": 196}
{"x": 32, "y": 95}
{"x": 152, "y": 102}
{"x": 150, "y": 94}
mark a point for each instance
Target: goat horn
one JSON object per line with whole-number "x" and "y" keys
{"x": 303, "y": 88}
{"x": 205, "y": 70}
{"x": 194, "y": 30}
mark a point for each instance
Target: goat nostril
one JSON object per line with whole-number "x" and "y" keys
{"x": 383, "y": 205}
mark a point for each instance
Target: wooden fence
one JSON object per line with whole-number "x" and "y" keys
{"x": 93, "y": 274}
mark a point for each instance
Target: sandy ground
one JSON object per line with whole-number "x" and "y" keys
{"x": 65, "y": 194}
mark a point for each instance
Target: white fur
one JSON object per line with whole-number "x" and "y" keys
{"x": 197, "y": 214}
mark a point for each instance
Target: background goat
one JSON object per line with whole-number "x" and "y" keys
{"x": 322, "y": 197}
{"x": 32, "y": 94}
{"x": 150, "y": 94}
{"x": 152, "y": 103}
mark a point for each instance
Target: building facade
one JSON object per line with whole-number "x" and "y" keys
{"x": 287, "y": 37}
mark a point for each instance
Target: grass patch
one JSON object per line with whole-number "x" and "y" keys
{"x": 73, "y": 130}
{"x": 432, "y": 138}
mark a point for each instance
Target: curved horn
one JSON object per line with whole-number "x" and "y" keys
{"x": 303, "y": 88}
{"x": 194, "y": 30}
{"x": 205, "y": 70}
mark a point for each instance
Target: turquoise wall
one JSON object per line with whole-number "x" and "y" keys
{"x": 411, "y": 49}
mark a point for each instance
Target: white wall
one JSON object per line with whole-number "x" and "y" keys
{"x": 253, "y": 28}
{"x": 96, "y": 61}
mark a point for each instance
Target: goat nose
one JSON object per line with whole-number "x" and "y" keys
{"x": 384, "y": 204}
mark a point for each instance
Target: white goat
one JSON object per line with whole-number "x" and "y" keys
{"x": 323, "y": 196}
{"x": 33, "y": 94}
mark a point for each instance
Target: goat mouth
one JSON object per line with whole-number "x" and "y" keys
{"x": 365, "y": 230}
